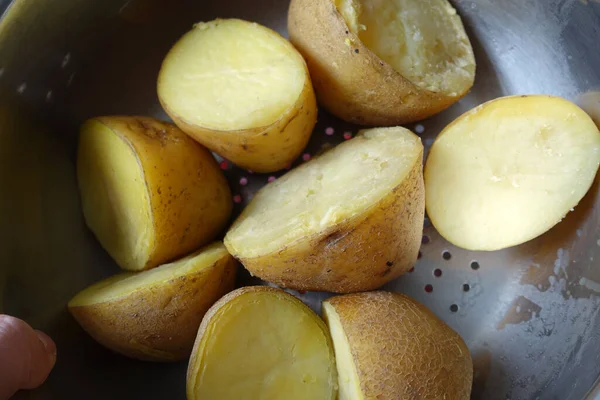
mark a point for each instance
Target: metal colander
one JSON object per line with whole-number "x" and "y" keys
{"x": 530, "y": 314}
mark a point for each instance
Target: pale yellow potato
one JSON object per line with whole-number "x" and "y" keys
{"x": 383, "y": 62}
{"x": 149, "y": 193}
{"x": 154, "y": 315}
{"x": 388, "y": 346}
{"x": 241, "y": 90}
{"x": 348, "y": 220}
{"x": 509, "y": 170}
{"x": 261, "y": 343}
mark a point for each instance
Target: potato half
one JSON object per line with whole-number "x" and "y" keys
{"x": 149, "y": 193}
{"x": 154, "y": 315}
{"x": 388, "y": 346}
{"x": 509, "y": 170}
{"x": 348, "y": 220}
{"x": 261, "y": 343}
{"x": 241, "y": 90}
{"x": 383, "y": 62}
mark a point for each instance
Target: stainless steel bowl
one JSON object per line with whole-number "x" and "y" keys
{"x": 530, "y": 314}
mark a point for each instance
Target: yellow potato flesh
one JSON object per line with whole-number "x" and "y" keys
{"x": 509, "y": 170}
{"x": 115, "y": 199}
{"x": 263, "y": 346}
{"x": 127, "y": 283}
{"x": 348, "y": 380}
{"x": 423, "y": 41}
{"x": 340, "y": 184}
{"x": 231, "y": 75}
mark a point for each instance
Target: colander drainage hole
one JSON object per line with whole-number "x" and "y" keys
{"x": 454, "y": 308}
{"x": 437, "y": 273}
{"x": 429, "y": 288}
{"x": 425, "y": 239}
{"x": 466, "y": 287}
{"x": 446, "y": 255}
{"x": 474, "y": 265}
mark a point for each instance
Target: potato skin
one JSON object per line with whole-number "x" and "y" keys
{"x": 263, "y": 149}
{"x": 158, "y": 324}
{"x": 401, "y": 350}
{"x": 359, "y": 254}
{"x": 190, "y": 198}
{"x": 350, "y": 80}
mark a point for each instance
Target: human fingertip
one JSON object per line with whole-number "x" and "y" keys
{"x": 48, "y": 343}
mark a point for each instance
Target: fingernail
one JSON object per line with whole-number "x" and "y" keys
{"x": 48, "y": 343}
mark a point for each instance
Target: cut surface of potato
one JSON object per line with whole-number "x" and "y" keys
{"x": 425, "y": 42}
{"x": 261, "y": 343}
{"x": 117, "y": 203}
{"x": 509, "y": 170}
{"x": 155, "y": 314}
{"x": 242, "y": 90}
{"x": 212, "y": 78}
{"x": 322, "y": 212}
{"x": 149, "y": 193}
{"x": 126, "y": 283}
{"x": 388, "y": 346}
{"x": 383, "y": 62}
{"x": 326, "y": 191}
{"x": 348, "y": 379}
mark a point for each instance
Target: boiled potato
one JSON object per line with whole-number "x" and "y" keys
{"x": 383, "y": 62}
{"x": 388, "y": 346}
{"x": 154, "y": 315}
{"x": 509, "y": 170}
{"x": 348, "y": 220}
{"x": 149, "y": 193}
{"x": 261, "y": 343}
{"x": 241, "y": 90}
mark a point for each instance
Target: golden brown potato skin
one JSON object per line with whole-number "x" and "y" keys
{"x": 264, "y": 149}
{"x": 158, "y": 324}
{"x": 190, "y": 198}
{"x": 361, "y": 253}
{"x": 350, "y": 80}
{"x": 401, "y": 350}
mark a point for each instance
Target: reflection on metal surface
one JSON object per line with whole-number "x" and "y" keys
{"x": 590, "y": 103}
{"x": 521, "y": 310}
{"x": 530, "y": 314}
{"x": 482, "y": 364}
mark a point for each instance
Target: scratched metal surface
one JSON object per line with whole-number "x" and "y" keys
{"x": 530, "y": 314}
